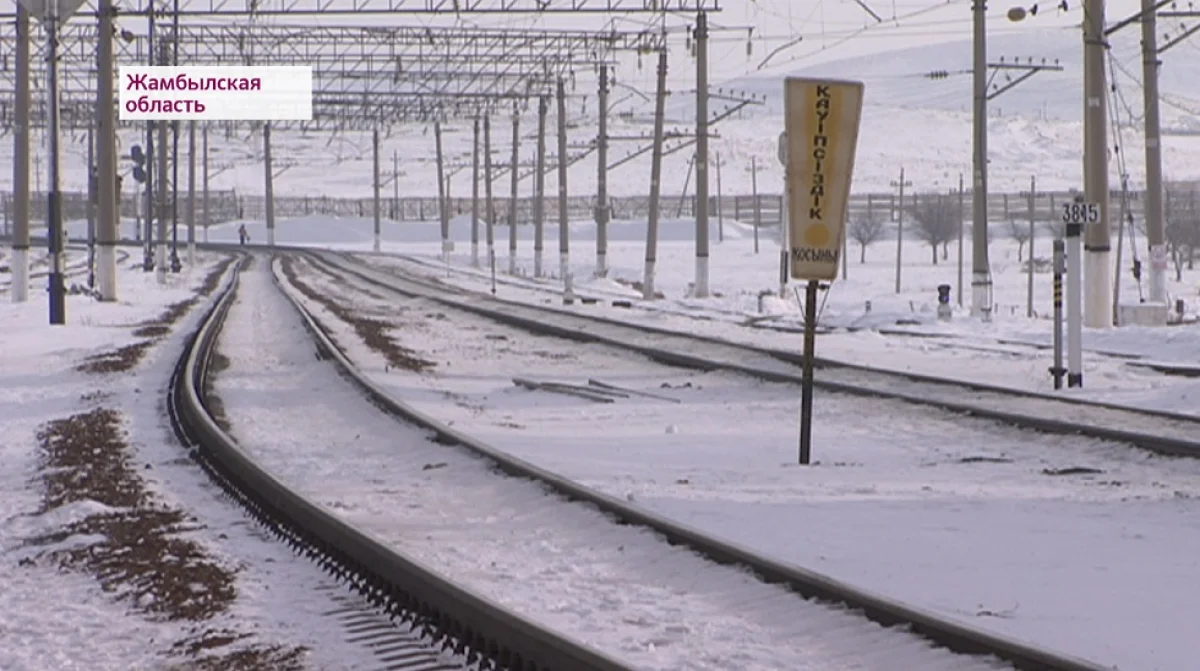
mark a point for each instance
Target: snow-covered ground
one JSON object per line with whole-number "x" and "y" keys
{"x": 1011, "y": 350}
{"x": 988, "y": 524}
{"x": 616, "y": 587}
{"x": 61, "y": 618}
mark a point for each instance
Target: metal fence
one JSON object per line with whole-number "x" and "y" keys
{"x": 230, "y": 205}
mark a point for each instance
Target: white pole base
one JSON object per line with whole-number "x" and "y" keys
{"x": 700, "y": 289}
{"x": 981, "y": 295}
{"x": 376, "y": 244}
{"x": 191, "y": 253}
{"x": 564, "y": 266}
{"x": 19, "y": 290}
{"x": 271, "y": 237}
{"x": 601, "y": 264}
{"x": 474, "y": 254}
{"x": 160, "y": 262}
{"x": 1097, "y": 290}
{"x": 648, "y": 281}
{"x": 1158, "y": 274}
{"x": 106, "y": 272}
{"x": 537, "y": 263}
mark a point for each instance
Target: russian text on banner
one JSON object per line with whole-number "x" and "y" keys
{"x": 215, "y": 93}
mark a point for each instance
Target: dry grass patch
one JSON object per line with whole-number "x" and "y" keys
{"x": 373, "y": 332}
{"x": 119, "y": 360}
{"x": 142, "y": 558}
{"x": 152, "y": 331}
{"x": 140, "y": 553}
{"x": 126, "y": 357}
{"x": 255, "y": 658}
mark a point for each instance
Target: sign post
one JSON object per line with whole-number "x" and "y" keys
{"x": 783, "y": 219}
{"x": 1076, "y": 215}
{"x": 51, "y": 13}
{"x": 821, "y": 119}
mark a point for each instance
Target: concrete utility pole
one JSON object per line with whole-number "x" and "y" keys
{"x": 54, "y": 223}
{"x": 757, "y": 207}
{"x": 176, "y": 266}
{"x": 20, "y": 242}
{"x": 602, "y": 178}
{"x": 475, "y": 195}
{"x": 108, "y": 226}
{"x": 1098, "y": 287}
{"x": 160, "y": 248}
{"x": 376, "y": 212}
{"x": 204, "y": 180}
{"x": 1032, "y": 234}
{"x": 1153, "y": 208}
{"x": 151, "y": 169}
{"x": 700, "y": 290}
{"x": 962, "y": 212}
{"x": 396, "y": 185}
{"x": 515, "y": 180}
{"x": 270, "y": 183}
{"x": 443, "y": 200}
{"x": 93, "y": 193}
{"x": 539, "y": 189}
{"x": 660, "y": 102}
{"x": 489, "y": 211}
{"x": 981, "y": 277}
{"x": 191, "y": 208}
{"x": 900, "y": 226}
{"x": 564, "y": 229}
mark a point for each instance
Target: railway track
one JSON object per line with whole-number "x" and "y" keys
{"x": 421, "y": 604}
{"x": 939, "y": 630}
{"x": 588, "y": 293}
{"x": 1157, "y": 431}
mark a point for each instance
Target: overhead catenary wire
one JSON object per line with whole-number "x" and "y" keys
{"x": 1118, "y": 98}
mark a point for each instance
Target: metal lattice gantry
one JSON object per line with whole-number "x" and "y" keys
{"x": 450, "y": 7}
{"x": 367, "y": 76}
{"x": 332, "y": 9}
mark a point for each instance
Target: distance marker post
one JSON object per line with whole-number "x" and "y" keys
{"x": 817, "y": 150}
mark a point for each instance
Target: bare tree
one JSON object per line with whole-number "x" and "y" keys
{"x": 1019, "y": 231}
{"x": 1056, "y": 228}
{"x": 865, "y": 230}
{"x": 936, "y": 219}
{"x": 1181, "y": 210}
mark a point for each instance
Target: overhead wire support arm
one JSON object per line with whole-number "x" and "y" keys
{"x": 1136, "y": 18}
{"x": 1187, "y": 31}
{"x": 1029, "y": 70}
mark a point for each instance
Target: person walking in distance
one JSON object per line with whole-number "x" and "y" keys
{"x": 242, "y": 234}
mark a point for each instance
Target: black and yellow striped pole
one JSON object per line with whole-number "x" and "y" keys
{"x": 1060, "y": 263}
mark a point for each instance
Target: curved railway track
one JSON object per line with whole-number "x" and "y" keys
{"x": 887, "y": 612}
{"x": 483, "y": 632}
{"x": 437, "y": 610}
{"x": 1162, "y": 432}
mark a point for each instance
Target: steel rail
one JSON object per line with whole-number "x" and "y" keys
{"x": 797, "y": 358}
{"x": 955, "y": 636}
{"x": 449, "y": 615}
{"x": 898, "y": 384}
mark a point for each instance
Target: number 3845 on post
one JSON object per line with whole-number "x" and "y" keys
{"x": 1081, "y": 213}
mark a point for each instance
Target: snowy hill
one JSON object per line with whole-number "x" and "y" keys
{"x": 911, "y": 122}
